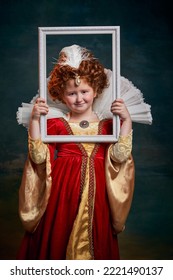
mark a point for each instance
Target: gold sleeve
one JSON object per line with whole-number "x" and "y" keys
{"x": 37, "y": 150}
{"x": 120, "y": 189}
{"x": 34, "y": 192}
{"x": 121, "y": 150}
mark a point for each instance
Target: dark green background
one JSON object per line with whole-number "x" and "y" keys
{"x": 146, "y": 59}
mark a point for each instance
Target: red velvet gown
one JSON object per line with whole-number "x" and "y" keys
{"x": 50, "y": 239}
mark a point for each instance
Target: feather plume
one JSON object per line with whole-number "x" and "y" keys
{"x": 75, "y": 55}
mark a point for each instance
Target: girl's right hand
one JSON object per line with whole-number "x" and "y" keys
{"x": 40, "y": 108}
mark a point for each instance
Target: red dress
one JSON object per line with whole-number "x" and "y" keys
{"x": 69, "y": 170}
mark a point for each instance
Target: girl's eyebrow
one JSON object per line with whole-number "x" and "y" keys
{"x": 70, "y": 91}
{"x": 82, "y": 89}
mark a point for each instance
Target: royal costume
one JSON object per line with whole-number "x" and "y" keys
{"x": 64, "y": 203}
{"x": 75, "y": 197}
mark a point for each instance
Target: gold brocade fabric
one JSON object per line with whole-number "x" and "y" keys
{"x": 121, "y": 150}
{"x": 37, "y": 150}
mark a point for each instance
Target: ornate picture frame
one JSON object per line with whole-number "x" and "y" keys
{"x": 113, "y": 32}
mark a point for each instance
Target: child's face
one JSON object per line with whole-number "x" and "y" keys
{"x": 79, "y": 99}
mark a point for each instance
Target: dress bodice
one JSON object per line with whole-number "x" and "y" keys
{"x": 92, "y": 129}
{"x": 60, "y": 126}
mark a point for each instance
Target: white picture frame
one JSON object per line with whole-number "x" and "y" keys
{"x": 44, "y": 32}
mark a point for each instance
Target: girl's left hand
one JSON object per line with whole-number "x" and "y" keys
{"x": 119, "y": 108}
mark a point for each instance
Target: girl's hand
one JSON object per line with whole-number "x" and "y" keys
{"x": 40, "y": 108}
{"x": 119, "y": 108}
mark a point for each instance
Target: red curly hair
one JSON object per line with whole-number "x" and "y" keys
{"x": 91, "y": 70}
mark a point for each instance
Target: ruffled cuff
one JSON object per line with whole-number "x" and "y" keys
{"x": 122, "y": 149}
{"x": 37, "y": 150}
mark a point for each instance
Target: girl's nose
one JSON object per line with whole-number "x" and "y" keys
{"x": 79, "y": 97}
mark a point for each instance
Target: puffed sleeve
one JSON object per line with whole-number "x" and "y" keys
{"x": 121, "y": 150}
{"x": 37, "y": 150}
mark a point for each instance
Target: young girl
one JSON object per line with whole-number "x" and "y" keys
{"x": 65, "y": 202}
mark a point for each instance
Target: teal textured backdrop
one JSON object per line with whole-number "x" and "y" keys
{"x": 146, "y": 59}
